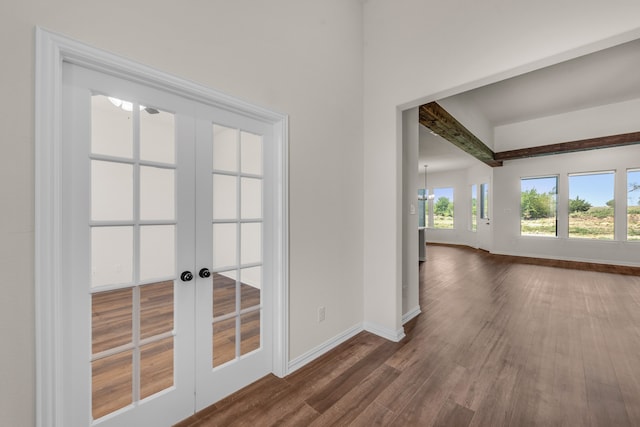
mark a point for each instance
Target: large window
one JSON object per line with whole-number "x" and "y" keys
{"x": 633, "y": 204}
{"x": 474, "y": 207}
{"x": 443, "y": 208}
{"x": 484, "y": 201}
{"x": 538, "y": 210}
{"x": 591, "y": 205}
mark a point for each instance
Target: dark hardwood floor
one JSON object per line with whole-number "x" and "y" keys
{"x": 498, "y": 343}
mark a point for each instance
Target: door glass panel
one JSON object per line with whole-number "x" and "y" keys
{"x": 250, "y": 332}
{"x": 224, "y": 293}
{"x": 224, "y": 245}
{"x": 111, "y": 319}
{"x": 111, "y": 255}
{"x": 157, "y": 251}
{"x": 225, "y": 148}
{"x": 156, "y": 309}
{"x": 111, "y": 128}
{"x": 251, "y": 199}
{"x": 251, "y": 243}
{"x": 157, "y": 136}
{"x": 224, "y": 341}
{"x": 111, "y": 191}
{"x": 157, "y": 193}
{"x": 112, "y": 383}
{"x": 225, "y": 197}
{"x": 250, "y": 279}
{"x": 251, "y": 153}
{"x": 156, "y": 367}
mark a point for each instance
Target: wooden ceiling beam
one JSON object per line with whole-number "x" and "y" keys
{"x": 440, "y": 122}
{"x": 571, "y": 147}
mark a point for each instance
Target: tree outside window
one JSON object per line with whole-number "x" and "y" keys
{"x": 538, "y": 206}
{"x": 592, "y": 205}
{"x": 443, "y": 208}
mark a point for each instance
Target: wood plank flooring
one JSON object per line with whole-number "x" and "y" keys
{"x": 498, "y": 343}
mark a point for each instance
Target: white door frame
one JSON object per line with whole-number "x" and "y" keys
{"x": 51, "y": 51}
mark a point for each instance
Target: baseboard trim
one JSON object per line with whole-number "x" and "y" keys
{"x": 323, "y": 348}
{"x": 629, "y": 269}
{"x": 383, "y": 332}
{"x": 411, "y": 314}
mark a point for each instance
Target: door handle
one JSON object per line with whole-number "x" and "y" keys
{"x": 186, "y": 276}
{"x": 204, "y": 273}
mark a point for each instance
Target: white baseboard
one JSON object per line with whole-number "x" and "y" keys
{"x": 383, "y": 332}
{"x": 411, "y": 314}
{"x": 318, "y": 351}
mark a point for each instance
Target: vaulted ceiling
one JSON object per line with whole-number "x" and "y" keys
{"x": 604, "y": 77}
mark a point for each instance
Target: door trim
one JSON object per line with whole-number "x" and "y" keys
{"x": 51, "y": 51}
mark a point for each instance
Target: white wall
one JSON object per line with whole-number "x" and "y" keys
{"x": 604, "y": 120}
{"x": 404, "y": 67}
{"x": 303, "y": 58}
{"x": 410, "y": 282}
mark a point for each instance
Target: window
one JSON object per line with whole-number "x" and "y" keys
{"x": 443, "y": 208}
{"x": 538, "y": 209}
{"x": 633, "y": 204}
{"x": 422, "y": 212}
{"x": 484, "y": 201}
{"x": 474, "y": 207}
{"x": 591, "y": 205}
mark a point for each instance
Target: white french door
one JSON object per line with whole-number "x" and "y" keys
{"x": 167, "y": 294}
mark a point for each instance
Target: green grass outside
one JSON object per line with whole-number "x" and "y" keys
{"x": 596, "y": 223}
{"x": 442, "y": 222}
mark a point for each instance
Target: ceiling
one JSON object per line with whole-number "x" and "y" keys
{"x": 600, "y": 78}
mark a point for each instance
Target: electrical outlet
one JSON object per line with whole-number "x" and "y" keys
{"x": 321, "y": 314}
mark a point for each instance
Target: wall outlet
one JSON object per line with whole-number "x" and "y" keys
{"x": 321, "y": 314}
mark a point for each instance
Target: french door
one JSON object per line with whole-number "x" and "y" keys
{"x": 167, "y": 297}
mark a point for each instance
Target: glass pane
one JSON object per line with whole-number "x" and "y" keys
{"x": 111, "y": 319}
{"x": 224, "y": 245}
{"x": 156, "y": 309}
{"x": 250, "y": 332}
{"x": 633, "y": 205}
{"x": 251, "y": 200}
{"x": 538, "y": 206}
{"x": 157, "y": 136}
{"x": 250, "y": 285}
{"x": 225, "y": 197}
{"x": 224, "y": 341}
{"x": 251, "y": 153}
{"x": 111, "y": 128}
{"x": 484, "y": 201}
{"x": 111, "y": 255}
{"x": 156, "y": 367}
{"x": 157, "y": 251}
{"x": 157, "y": 193}
{"x": 251, "y": 243}
{"x": 474, "y": 207}
{"x": 443, "y": 208}
{"x": 225, "y": 148}
{"x": 111, "y": 191}
{"x": 111, "y": 383}
{"x": 224, "y": 293}
{"x": 591, "y": 206}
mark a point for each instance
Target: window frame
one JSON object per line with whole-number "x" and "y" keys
{"x": 557, "y": 178}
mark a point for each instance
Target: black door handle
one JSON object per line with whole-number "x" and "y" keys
{"x": 204, "y": 273}
{"x": 186, "y": 276}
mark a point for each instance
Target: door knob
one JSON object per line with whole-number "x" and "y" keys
{"x": 204, "y": 273}
{"x": 186, "y": 276}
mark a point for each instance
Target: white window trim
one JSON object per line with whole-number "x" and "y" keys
{"x": 51, "y": 51}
